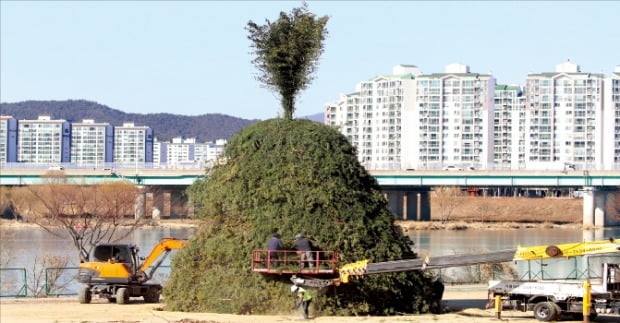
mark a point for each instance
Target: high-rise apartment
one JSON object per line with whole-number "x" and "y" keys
{"x": 564, "y": 119}
{"x": 91, "y": 143}
{"x": 450, "y": 120}
{"x": 371, "y": 117}
{"x": 611, "y": 120}
{"x": 44, "y": 141}
{"x": 133, "y": 145}
{"x": 509, "y": 128}
{"x": 8, "y": 139}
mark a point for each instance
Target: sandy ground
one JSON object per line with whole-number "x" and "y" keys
{"x": 466, "y": 305}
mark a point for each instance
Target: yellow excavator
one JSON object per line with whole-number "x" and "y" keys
{"x": 115, "y": 272}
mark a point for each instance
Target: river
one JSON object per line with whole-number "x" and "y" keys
{"x": 22, "y": 245}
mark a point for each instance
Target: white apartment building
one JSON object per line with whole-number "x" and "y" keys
{"x": 183, "y": 151}
{"x": 611, "y": 120}
{"x": 43, "y": 141}
{"x": 509, "y": 128}
{"x": 130, "y": 144}
{"x": 564, "y": 119}
{"x": 451, "y": 122}
{"x": 210, "y": 151}
{"x": 371, "y": 117}
{"x": 90, "y": 143}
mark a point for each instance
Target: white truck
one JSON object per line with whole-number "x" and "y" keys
{"x": 549, "y": 299}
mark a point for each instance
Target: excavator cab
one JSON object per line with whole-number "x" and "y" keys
{"x": 114, "y": 253}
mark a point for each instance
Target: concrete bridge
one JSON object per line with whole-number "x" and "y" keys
{"x": 408, "y": 192}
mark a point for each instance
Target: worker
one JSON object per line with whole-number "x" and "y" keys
{"x": 274, "y": 245}
{"x": 303, "y": 298}
{"x": 304, "y": 250}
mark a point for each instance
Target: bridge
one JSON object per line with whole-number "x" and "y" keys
{"x": 408, "y": 192}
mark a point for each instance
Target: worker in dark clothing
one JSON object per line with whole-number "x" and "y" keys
{"x": 303, "y": 298}
{"x": 304, "y": 250}
{"x": 274, "y": 245}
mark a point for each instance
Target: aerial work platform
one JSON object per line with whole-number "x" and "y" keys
{"x": 290, "y": 262}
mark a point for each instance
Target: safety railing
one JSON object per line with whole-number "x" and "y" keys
{"x": 13, "y": 282}
{"x": 294, "y": 262}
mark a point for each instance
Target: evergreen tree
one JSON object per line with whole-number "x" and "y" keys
{"x": 287, "y": 53}
{"x": 294, "y": 176}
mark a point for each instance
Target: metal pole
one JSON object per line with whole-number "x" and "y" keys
{"x": 498, "y": 306}
{"x": 586, "y": 301}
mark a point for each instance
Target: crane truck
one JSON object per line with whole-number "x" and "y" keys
{"x": 548, "y": 299}
{"x": 115, "y": 272}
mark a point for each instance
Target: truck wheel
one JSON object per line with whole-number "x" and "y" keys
{"x": 122, "y": 296}
{"x": 545, "y": 311}
{"x": 151, "y": 296}
{"x": 558, "y": 312}
{"x": 84, "y": 295}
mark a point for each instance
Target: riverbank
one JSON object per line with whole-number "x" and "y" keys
{"x": 488, "y": 213}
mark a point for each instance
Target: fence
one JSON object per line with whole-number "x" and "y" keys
{"x": 10, "y": 285}
{"x": 57, "y": 281}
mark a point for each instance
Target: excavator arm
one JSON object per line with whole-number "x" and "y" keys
{"x": 162, "y": 248}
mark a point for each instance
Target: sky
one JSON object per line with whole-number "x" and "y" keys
{"x": 194, "y": 58}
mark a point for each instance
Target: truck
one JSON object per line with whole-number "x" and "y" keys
{"x": 115, "y": 272}
{"x": 549, "y": 299}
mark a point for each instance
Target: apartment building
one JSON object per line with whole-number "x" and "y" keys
{"x": 371, "y": 117}
{"x": 8, "y": 139}
{"x": 91, "y": 143}
{"x": 176, "y": 152}
{"x": 509, "y": 128}
{"x": 211, "y": 150}
{"x": 185, "y": 151}
{"x": 565, "y": 113}
{"x": 450, "y": 123}
{"x": 133, "y": 145}
{"x": 611, "y": 120}
{"x": 44, "y": 141}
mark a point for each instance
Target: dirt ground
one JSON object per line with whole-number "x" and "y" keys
{"x": 465, "y": 305}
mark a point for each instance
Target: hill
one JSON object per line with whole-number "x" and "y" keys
{"x": 206, "y": 127}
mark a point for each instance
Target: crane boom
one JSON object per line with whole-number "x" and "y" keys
{"x": 364, "y": 267}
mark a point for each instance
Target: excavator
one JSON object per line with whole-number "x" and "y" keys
{"x": 115, "y": 273}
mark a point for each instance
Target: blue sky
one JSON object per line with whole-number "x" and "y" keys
{"x": 194, "y": 58}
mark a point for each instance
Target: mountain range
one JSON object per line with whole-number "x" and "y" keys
{"x": 206, "y": 127}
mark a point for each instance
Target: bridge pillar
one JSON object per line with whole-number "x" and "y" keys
{"x": 424, "y": 206}
{"x": 409, "y": 205}
{"x": 149, "y": 204}
{"x": 190, "y": 207}
{"x": 601, "y": 207}
{"x": 139, "y": 206}
{"x": 166, "y": 209}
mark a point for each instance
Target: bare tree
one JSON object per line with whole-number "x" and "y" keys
{"x": 446, "y": 199}
{"x": 87, "y": 214}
